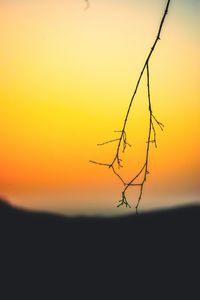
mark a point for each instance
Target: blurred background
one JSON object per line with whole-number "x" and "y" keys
{"x": 67, "y": 76}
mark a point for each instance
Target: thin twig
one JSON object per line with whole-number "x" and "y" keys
{"x": 99, "y": 163}
{"x": 101, "y": 144}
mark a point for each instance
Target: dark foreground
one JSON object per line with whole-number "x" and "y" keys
{"x": 152, "y": 256}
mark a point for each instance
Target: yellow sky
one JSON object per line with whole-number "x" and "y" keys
{"x": 67, "y": 76}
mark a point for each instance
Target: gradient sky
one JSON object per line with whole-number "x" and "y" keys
{"x": 67, "y": 76}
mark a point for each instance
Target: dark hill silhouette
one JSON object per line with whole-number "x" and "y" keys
{"x": 152, "y": 256}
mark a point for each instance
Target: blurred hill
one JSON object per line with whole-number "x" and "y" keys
{"x": 153, "y": 255}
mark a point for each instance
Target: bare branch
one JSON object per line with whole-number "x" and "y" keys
{"x": 122, "y": 140}
{"x": 113, "y": 169}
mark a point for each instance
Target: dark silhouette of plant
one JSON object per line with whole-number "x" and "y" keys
{"x": 122, "y": 139}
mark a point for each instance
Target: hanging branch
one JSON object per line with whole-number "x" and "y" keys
{"x": 122, "y": 139}
{"x": 144, "y": 169}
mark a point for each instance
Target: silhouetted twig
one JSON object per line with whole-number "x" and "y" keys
{"x": 122, "y": 139}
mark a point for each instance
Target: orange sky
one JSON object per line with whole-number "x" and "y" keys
{"x": 67, "y": 76}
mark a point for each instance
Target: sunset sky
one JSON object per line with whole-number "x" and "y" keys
{"x": 67, "y": 76}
